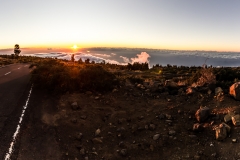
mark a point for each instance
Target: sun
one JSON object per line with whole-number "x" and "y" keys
{"x": 74, "y": 46}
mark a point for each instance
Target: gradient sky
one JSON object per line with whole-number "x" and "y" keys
{"x": 161, "y": 24}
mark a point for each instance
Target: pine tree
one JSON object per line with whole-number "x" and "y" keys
{"x": 17, "y": 50}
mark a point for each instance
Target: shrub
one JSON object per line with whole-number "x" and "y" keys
{"x": 58, "y": 76}
{"x": 202, "y": 77}
{"x": 207, "y": 77}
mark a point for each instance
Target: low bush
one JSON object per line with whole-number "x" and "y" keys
{"x": 58, "y": 76}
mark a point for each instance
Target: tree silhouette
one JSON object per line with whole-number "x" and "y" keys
{"x": 87, "y": 61}
{"x": 72, "y": 58}
{"x": 17, "y": 50}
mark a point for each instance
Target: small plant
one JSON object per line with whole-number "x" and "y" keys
{"x": 207, "y": 77}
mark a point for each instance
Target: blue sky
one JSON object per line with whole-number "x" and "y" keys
{"x": 160, "y": 24}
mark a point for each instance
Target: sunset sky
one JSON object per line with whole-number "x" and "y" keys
{"x": 160, "y": 24}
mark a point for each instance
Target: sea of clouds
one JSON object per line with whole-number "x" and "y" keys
{"x": 124, "y": 56}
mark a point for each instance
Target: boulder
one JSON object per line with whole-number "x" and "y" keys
{"x": 227, "y": 127}
{"x": 221, "y": 132}
{"x": 228, "y": 117}
{"x": 202, "y": 114}
{"x": 235, "y": 90}
{"x": 236, "y": 120}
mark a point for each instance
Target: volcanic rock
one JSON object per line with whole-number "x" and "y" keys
{"x": 235, "y": 90}
{"x": 221, "y": 131}
{"x": 74, "y": 106}
{"x": 202, "y": 114}
{"x": 218, "y": 91}
{"x": 236, "y": 120}
{"x": 197, "y": 127}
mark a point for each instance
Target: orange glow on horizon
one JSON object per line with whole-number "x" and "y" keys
{"x": 65, "y": 46}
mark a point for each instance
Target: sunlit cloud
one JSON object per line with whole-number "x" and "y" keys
{"x": 125, "y": 59}
{"x": 141, "y": 58}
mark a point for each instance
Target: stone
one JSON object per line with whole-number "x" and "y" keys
{"x": 123, "y": 152}
{"x": 156, "y": 137}
{"x": 161, "y": 116}
{"x": 83, "y": 117}
{"x": 97, "y": 132}
{"x": 168, "y": 116}
{"x": 197, "y": 157}
{"x": 202, "y": 114}
{"x": 234, "y": 90}
{"x": 97, "y": 140}
{"x": 79, "y": 136}
{"x": 170, "y": 83}
{"x": 89, "y": 92}
{"x": 192, "y": 136}
{"x": 82, "y": 151}
{"x": 152, "y": 127}
{"x": 214, "y": 154}
{"x": 209, "y": 92}
{"x": 227, "y": 127}
{"x": 172, "y": 132}
{"x": 218, "y": 91}
{"x": 236, "y": 120}
{"x": 234, "y": 140}
{"x": 190, "y": 91}
{"x": 114, "y": 90}
{"x": 74, "y": 106}
{"x": 197, "y": 127}
{"x": 221, "y": 132}
{"x": 227, "y": 118}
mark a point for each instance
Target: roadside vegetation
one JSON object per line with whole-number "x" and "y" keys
{"x": 62, "y": 75}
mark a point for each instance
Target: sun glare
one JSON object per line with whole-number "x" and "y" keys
{"x": 74, "y": 46}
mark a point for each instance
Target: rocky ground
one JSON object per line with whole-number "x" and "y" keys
{"x": 131, "y": 122}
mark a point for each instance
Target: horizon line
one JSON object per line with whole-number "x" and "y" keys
{"x": 47, "y": 48}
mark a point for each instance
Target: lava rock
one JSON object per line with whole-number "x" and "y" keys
{"x": 97, "y": 140}
{"x": 172, "y": 132}
{"x": 202, "y": 114}
{"x": 218, "y": 91}
{"x": 79, "y": 136}
{"x": 197, "y": 127}
{"x": 123, "y": 152}
{"x": 234, "y": 90}
{"x": 152, "y": 127}
{"x": 74, "y": 106}
{"x": 156, "y": 137}
{"x": 97, "y": 132}
{"x": 236, "y": 120}
{"x": 221, "y": 132}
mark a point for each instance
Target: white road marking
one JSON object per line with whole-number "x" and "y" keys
{"x": 11, "y": 148}
{"x": 7, "y": 73}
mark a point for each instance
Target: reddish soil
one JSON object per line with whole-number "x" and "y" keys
{"x": 128, "y": 119}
